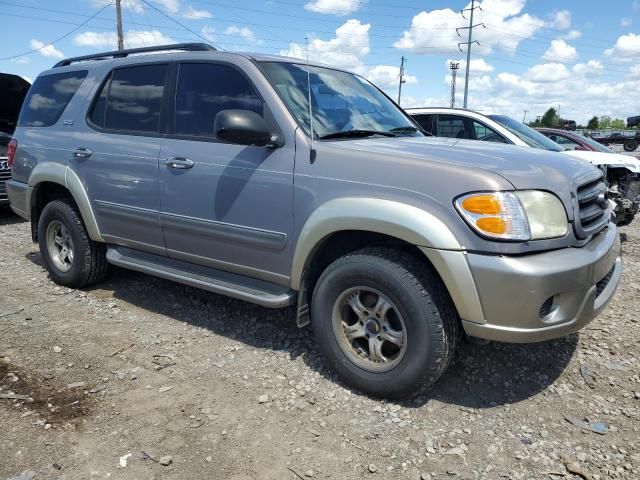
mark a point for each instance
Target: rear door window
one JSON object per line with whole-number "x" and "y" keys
{"x": 451, "y": 126}
{"x": 204, "y": 90}
{"x": 131, "y": 99}
{"x": 48, "y": 97}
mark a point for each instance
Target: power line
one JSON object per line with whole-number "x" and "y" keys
{"x": 59, "y": 38}
{"x": 468, "y": 43}
{"x": 174, "y": 20}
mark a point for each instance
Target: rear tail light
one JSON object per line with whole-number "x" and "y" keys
{"x": 11, "y": 151}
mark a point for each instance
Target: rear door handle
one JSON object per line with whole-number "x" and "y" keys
{"x": 82, "y": 153}
{"x": 179, "y": 162}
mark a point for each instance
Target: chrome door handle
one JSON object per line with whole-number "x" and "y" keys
{"x": 179, "y": 162}
{"x": 82, "y": 153}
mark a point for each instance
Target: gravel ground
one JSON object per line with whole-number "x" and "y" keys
{"x": 143, "y": 378}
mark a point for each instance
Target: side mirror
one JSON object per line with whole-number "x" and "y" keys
{"x": 243, "y": 127}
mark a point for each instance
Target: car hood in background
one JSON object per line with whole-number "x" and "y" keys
{"x": 13, "y": 90}
{"x": 610, "y": 159}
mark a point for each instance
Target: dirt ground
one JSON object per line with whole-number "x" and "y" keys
{"x": 141, "y": 378}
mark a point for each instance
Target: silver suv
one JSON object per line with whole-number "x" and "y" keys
{"x": 285, "y": 183}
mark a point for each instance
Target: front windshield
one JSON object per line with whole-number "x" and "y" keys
{"x": 341, "y": 101}
{"x": 527, "y": 134}
{"x": 598, "y": 147}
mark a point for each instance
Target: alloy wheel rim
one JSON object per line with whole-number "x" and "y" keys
{"x": 60, "y": 246}
{"x": 369, "y": 329}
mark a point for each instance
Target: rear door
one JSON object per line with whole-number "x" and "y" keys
{"x": 118, "y": 157}
{"x": 223, "y": 205}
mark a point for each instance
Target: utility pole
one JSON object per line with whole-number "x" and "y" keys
{"x": 524, "y": 117}
{"x": 402, "y": 80}
{"x": 468, "y": 43}
{"x": 453, "y": 66}
{"x": 119, "y": 25}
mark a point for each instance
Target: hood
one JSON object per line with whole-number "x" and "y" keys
{"x": 609, "y": 159}
{"x": 13, "y": 90}
{"x": 523, "y": 167}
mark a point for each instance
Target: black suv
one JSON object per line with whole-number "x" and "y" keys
{"x": 13, "y": 89}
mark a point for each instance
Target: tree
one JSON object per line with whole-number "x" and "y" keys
{"x": 618, "y": 124}
{"x": 550, "y": 118}
{"x": 593, "y": 124}
{"x": 605, "y": 121}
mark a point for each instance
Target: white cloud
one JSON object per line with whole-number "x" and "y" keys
{"x": 208, "y": 33}
{"x": 480, "y": 83}
{"x": 560, "y": 51}
{"x": 635, "y": 71}
{"x": 560, "y": 19}
{"x": 385, "y": 76}
{"x": 193, "y": 14}
{"x": 172, "y": 6}
{"x": 626, "y": 22}
{"x": 132, "y": 39}
{"x": 547, "y": 72}
{"x": 626, "y": 48}
{"x": 572, "y": 35}
{"x": 478, "y": 65}
{"x": 346, "y": 50}
{"x": 334, "y": 7}
{"x": 590, "y": 69}
{"x": 435, "y": 31}
{"x": 242, "y": 32}
{"x": 20, "y": 60}
{"x": 46, "y": 51}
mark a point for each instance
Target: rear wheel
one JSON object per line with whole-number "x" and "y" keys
{"x": 71, "y": 257}
{"x": 384, "y": 323}
{"x": 630, "y": 146}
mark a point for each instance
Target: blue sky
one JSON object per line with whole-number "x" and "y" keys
{"x": 581, "y": 55}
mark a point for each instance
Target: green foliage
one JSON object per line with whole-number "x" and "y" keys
{"x": 594, "y": 123}
{"x": 550, "y": 118}
{"x": 618, "y": 124}
{"x": 605, "y": 121}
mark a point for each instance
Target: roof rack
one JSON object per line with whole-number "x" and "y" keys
{"x": 187, "y": 47}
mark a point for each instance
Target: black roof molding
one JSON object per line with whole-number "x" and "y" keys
{"x": 186, "y": 47}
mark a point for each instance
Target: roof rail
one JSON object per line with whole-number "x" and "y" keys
{"x": 187, "y": 47}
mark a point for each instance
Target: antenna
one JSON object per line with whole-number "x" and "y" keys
{"x": 312, "y": 152}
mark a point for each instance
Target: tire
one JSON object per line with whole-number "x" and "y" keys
{"x": 87, "y": 265}
{"x": 630, "y": 146}
{"x": 420, "y": 305}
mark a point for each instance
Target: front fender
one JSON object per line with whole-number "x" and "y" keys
{"x": 405, "y": 222}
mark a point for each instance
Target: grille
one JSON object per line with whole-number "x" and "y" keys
{"x": 592, "y": 213}
{"x": 602, "y": 284}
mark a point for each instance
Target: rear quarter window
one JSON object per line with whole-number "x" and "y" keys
{"x": 48, "y": 97}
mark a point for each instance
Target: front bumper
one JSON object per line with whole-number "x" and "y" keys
{"x": 548, "y": 295}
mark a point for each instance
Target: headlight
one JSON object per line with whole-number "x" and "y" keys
{"x": 525, "y": 215}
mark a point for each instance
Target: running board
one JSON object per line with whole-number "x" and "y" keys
{"x": 260, "y": 292}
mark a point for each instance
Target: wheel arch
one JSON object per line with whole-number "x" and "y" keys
{"x": 388, "y": 218}
{"x": 51, "y": 181}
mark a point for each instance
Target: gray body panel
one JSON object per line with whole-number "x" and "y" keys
{"x": 260, "y": 213}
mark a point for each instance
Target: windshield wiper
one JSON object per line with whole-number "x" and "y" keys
{"x": 356, "y": 133}
{"x": 410, "y": 129}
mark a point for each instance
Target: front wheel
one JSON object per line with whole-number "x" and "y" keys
{"x": 630, "y": 146}
{"x": 71, "y": 257}
{"x": 385, "y": 323}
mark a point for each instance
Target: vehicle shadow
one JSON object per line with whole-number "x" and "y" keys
{"x": 481, "y": 376}
{"x": 7, "y": 217}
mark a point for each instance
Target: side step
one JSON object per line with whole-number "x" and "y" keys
{"x": 260, "y": 292}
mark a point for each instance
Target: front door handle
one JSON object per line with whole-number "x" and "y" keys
{"x": 81, "y": 153}
{"x": 179, "y": 162}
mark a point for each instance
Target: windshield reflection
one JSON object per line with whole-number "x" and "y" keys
{"x": 340, "y": 101}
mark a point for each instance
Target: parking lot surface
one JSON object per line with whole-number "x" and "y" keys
{"x": 143, "y": 378}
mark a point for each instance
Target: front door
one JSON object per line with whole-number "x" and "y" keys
{"x": 117, "y": 156}
{"x": 223, "y": 205}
